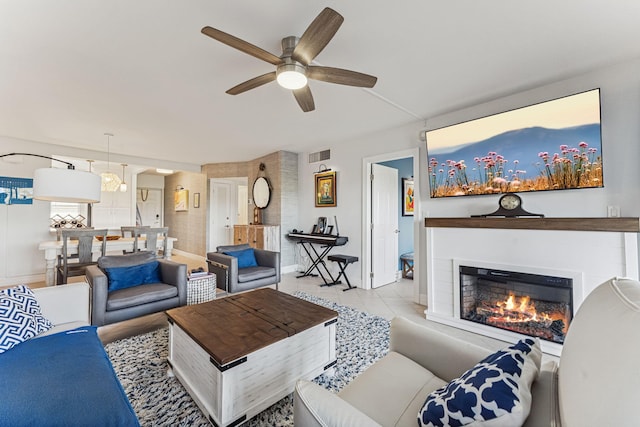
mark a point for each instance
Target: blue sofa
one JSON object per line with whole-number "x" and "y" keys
{"x": 62, "y": 377}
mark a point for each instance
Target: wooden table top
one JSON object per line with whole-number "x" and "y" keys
{"x": 232, "y": 327}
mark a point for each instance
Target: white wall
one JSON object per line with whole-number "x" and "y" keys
{"x": 620, "y": 95}
{"x": 346, "y": 160}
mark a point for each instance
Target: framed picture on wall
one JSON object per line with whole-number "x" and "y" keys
{"x": 407, "y": 197}
{"x": 326, "y": 189}
{"x": 181, "y": 200}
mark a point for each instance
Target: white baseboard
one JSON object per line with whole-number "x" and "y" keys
{"x": 289, "y": 269}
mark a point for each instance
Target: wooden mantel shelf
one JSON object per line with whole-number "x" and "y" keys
{"x": 621, "y": 225}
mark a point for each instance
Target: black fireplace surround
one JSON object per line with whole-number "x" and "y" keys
{"x": 530, "y": 304}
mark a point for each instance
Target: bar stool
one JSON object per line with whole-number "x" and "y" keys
{"x": 343, "y": 261}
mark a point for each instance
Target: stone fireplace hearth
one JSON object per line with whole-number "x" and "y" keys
{"x": 588, "y": 253}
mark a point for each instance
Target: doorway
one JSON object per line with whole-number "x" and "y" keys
{"x": 149, "y": 207}
{"x": 227, "y": 207}
{"x": 411, "y": 232}
{"x": 384, "y": 224}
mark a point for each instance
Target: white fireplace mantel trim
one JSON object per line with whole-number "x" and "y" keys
{"x": 606, "y": 253}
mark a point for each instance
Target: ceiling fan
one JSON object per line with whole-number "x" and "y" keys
{"x": 294, "y": 65}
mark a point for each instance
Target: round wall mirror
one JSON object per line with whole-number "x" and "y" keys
{"x": 261, "y": 193}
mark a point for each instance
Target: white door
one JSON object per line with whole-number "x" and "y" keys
{"x": 221, "y": 226}
{"x": 384, "y": 225}
{"x": 149, "y": 207}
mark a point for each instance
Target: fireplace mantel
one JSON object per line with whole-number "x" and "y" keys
{"x": 622, "y": 225}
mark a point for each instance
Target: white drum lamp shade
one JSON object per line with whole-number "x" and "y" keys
{"x": 66, "y": 185}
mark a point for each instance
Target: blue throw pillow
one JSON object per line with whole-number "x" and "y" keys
{"x": 128, "y": 277}
{"x": 20, "y": 317}
{"x": 496, "y": 392}
{"x": 246, "y": 257}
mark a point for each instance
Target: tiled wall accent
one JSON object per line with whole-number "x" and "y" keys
{"x": 288, "y": 204}
{"x": 188, "y": 227}
{"x": 281, "y": 170}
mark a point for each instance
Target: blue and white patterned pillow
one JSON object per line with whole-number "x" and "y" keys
{"x": 20, "y": 317}
{"x": 495, "y": 392}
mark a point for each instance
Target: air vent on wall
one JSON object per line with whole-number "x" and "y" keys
{"x": 319, "y": 156}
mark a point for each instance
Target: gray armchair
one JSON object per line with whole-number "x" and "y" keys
{"x": 232, "y": 279}
{"x": 122, "y": 304}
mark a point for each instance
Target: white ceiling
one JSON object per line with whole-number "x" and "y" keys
{"x": 72, "y": 70}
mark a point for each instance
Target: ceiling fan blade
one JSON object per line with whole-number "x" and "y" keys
{"x": 252, "y": 83}
{"x": 305, "y": 99}
{"x": 241, "y": 45}
{"x": 317, "y": 35}
{"x": 340, "y": 76}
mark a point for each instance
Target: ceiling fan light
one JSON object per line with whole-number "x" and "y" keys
{"x": 291, "y": 76}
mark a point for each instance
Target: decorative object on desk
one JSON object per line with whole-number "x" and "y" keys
{"x": 181, "y": 199}
{"x": 109, "y": 181}
{"x": 320, "y": 226}
{"x": 408, "y": 196}
{"x": 510, "y": 206}
{"x": 196, "y": 200}
{"x": 16, "y": 191}
{"x": 63, "y": 185}
{"x": 67, "y": 221}
{"x": 326, "y": 189}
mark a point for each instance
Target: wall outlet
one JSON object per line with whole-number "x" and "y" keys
{"x": 613, "y": 211}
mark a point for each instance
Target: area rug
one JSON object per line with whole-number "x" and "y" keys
{"x": 160, "y": 400}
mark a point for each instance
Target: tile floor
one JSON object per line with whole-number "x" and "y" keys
{"x": 395, "y": 299}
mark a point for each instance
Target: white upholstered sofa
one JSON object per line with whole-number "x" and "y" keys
{"x": 596, "y": 383}
{"x": 68, "y": 306}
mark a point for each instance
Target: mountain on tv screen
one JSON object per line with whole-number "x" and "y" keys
{"x": 553, "y": 145}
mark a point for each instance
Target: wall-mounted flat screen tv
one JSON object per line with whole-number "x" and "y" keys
{"x": 553, "y": 145}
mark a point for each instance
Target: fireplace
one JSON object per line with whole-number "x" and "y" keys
{"x": 530, "y": 304}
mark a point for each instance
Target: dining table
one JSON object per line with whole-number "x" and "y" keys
{"x": 53, "y": 248}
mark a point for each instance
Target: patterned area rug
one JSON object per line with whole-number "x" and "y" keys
{"x": 160, "y": 400}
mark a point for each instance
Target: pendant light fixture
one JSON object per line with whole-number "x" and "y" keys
{"x": 123, "y": 186}
{"x": 110, "y": 181}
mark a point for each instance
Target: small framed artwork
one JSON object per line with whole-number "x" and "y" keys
{"x": 408, "y": 197}
{"x": 326, "y": 189}
{"x": 196, "y": 200}
{"x": 181, "y": 200}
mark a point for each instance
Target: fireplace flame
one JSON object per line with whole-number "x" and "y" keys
{"x": 514, "y": 310}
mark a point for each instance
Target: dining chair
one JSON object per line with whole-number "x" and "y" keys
{"x": 71, "y": 265}
{"x": 129, "y": 231}
{"x": 151, "y": 235}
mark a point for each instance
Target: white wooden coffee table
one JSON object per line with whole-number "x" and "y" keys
{"x": 238, "y": 355}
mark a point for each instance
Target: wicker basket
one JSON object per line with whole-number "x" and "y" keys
{"x": 201, "y": 289}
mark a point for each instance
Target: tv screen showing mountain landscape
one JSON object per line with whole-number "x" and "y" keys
{"x": 554, "y": 145}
